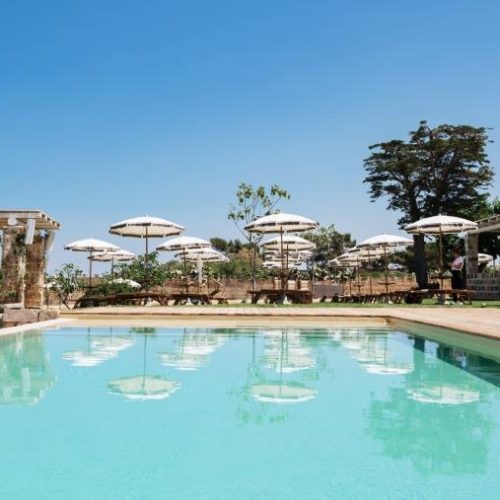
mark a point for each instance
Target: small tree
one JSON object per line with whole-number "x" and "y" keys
{"x": 440, "y": 170}
{"x": 66, "y": 281}
{"x": 254, "y": 202}
{"x": 330, "y": 243}
{"x": 155, "y": 274}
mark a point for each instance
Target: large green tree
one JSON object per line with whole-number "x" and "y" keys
{"x": 438, "y": 170}
{"x": 253, "y": 202}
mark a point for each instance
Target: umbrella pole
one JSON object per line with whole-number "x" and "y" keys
{"x": 386, "y": 271}
{"x": 185, "y": 272}
{"x": 357, "y": 274}
{"x": 282, "y": 260}
{"x": 146, "y": 262}
{"x": 369, "y": 273}
{"x": 112, "y": 268}
{"x": 90, "y": 271}
{"x": 441, "y": 266}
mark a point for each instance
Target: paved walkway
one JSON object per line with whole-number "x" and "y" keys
{"x": 484, "y": 322}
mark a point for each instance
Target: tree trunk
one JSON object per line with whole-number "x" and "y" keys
{"x": 254, "y": 267}
{"x": 420, "y": 264}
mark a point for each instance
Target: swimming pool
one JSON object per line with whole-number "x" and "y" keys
{"x": 246, "y": 413}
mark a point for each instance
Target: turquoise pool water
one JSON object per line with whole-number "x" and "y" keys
{"x": 123, "y": 413}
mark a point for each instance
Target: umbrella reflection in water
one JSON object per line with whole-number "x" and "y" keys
{"x": 195, "y": 350}
{"x": 284, "y": 354}
{"x": 144, "y": 387}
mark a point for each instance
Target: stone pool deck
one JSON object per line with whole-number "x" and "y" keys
{"x": 484, "y": 322}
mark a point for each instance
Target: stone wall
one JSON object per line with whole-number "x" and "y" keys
{"x": 13, "y": 264}
{"x": 237, "y": 289}
{"x": 486, "y": 287}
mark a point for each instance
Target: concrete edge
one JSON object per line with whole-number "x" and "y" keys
{"x": 34, "y": 326}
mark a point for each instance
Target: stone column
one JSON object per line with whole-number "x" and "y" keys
{"x": 471, "y": 250}
{"x": 13, "y": 263}
{"x": 35, "y": 272}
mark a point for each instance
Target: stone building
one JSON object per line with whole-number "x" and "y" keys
{"x": 487, "y": 283}
{"x": 26, "y": 238}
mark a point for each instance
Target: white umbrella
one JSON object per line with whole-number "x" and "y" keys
{"x": 205, "y": 255}
{"x": 484, "y": 258}
{"x": 183, "y": 243}
{"x": 438, "y": 226}
{"x": 291, "y": 242}
{"x": 111, "y": 256}
{"x": 91, "y": 245}
{"x": 282, "y": 223}
{"x": 385, "y": 242}
{"x": 124, "y": 281}
{"x": 120, "y": 255}
{"x": 146, "y": 227}
{"x": 365, "y": 254}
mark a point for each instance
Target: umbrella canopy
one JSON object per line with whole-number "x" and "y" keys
{"x": 387, "y": 369}
{"x": 141, "y": 387}
{"x": 291, "y": 242}
{"x": 443, "y": 394}
{"x": 484, "y": 258}
{"x": 205, "y": 255}
{"x": 146, "y": 227}
{"x": 124, "y": 281}
{"x": 281, "y": 222}
{"x": 111, "y": 256}
{"x": 276, "y": 264}
{"x": 440, "y": 224}
{"x": 183, "y": 243}
{"x": 91, "y": 245}
{"x": 387, "y": 241}
{"x": 282, "y": 392}
{"x": 88, "y": 358}
{"x": 120, "y": 255}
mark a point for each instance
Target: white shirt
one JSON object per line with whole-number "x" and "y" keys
{"x": 457, "y": 264}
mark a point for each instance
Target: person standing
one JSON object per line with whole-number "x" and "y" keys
{"x": 457, "y": 267}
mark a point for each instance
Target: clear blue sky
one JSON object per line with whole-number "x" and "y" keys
{"x": 112, "y": 109}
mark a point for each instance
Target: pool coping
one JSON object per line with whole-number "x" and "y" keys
{"x": 471, "y": 322}
{"x": 476, "y": 322}
{"x": 34, "y": 326}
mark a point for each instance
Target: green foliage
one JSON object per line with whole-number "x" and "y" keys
{"x": 228, "y": 246}
{"x": 66, "y": 281}
{"x": 254, "y": 202}
{"x": 108, "y": 286}
{"x": 441, "y": 170}
{"x": 149, "y": 274}
{"x": 488, "y": 242}
{"x": 329, "y": 242}
{"x": 240, "y": 265}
